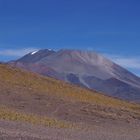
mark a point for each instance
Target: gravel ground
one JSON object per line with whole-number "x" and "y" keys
{"x": 24, "y": 131}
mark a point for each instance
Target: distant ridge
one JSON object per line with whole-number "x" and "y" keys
{"x": 84, "y": 68}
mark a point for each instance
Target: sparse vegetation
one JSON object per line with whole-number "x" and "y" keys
{"x": 21, "y": 82}
{"x": 33, "y": 83}
{"x": 28, "y": 97}
{"x": 12, "y": 115}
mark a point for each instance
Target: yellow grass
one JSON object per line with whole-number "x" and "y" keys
{"x": 12, "y": 115}
{"x": 32, "y": 83}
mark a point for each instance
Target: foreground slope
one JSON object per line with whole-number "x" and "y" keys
{"x": 30, "y": 98}
{"x": 83, "y": 68}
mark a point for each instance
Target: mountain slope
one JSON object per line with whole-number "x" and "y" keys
{"x": 28, "y": 97}
{"x": 84, "y": 68}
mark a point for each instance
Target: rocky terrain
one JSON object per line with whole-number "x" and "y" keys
{"x": 24, "y": 131}
{"x": 42, "y": 108}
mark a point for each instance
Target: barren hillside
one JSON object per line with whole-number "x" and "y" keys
{"x": 42, "y": 101}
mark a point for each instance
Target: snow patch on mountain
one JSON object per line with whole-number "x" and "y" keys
{"x": 34, "y": 52}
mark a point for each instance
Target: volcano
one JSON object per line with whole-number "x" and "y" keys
{"x": 83, "y": 68}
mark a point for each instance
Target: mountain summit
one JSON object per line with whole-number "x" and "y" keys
{"x": 84, "y": 68}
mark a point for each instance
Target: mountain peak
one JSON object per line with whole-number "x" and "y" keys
{"x": 36, "y": 55}
{"x": 86, "y": 68}
{"x": 89, "y": 57}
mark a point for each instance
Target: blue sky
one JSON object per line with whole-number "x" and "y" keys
{"x": 111, "y": 27}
